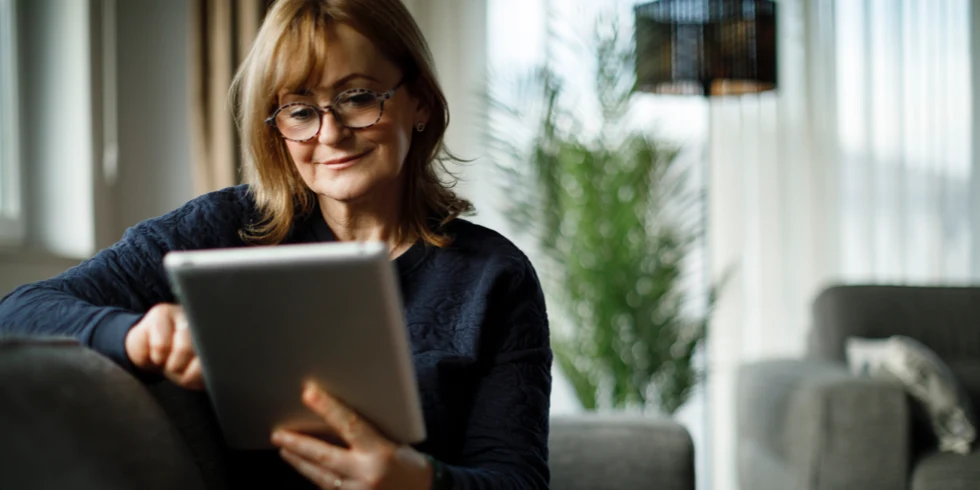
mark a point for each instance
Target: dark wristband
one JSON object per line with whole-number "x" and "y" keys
{"x": 440, "y": 477}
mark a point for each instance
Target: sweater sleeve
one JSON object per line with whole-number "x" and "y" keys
{"x": 507, "y": 434}
{"x": 98, "y": 301}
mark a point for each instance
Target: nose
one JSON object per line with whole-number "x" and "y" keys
{"x": 331, "y": 131}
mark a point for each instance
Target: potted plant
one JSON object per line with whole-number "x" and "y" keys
{"x": 609, "y": 210}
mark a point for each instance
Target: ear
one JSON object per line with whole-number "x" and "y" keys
{"x": 422, "y": 113}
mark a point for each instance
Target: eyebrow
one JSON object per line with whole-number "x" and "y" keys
{"x": 353, "y": 76}
{"x": 337, "y": 84}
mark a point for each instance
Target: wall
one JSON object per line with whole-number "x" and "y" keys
{"x": 30, "y": 267}
{"x": 72, "y": 72}
{"x": 154, "y": 141}
{"x": 56, "y": 129}
{"x": 457, "y": 36}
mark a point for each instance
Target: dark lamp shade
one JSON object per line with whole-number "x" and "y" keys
{"x": 706, "y": 47}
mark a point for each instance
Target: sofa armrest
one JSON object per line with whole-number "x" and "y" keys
{"x": 620, "y": 452}
{"x": 811, "y": 425}
{"x": 70, "y": 418}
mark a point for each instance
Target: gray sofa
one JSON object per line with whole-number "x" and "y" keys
{"x": 809, "y": 425}
{"x": 69, "y": 418}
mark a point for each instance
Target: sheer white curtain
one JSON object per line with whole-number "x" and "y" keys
{"x": 857, "y": 170}
{"x": 904, "y": 130}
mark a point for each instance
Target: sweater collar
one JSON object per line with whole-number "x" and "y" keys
{"x": 313, "y": 229}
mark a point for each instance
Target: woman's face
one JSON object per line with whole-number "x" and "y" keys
{"x": 344, "y": 164}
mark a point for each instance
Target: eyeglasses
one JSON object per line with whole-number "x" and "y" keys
{"x": 354, "y": 109}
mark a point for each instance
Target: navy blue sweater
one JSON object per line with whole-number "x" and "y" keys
{"x": 474, "y": 310}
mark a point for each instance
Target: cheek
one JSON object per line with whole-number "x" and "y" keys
{"x": 300, "y": 152}
{"x": 404, "y": 143}
{"x": 402, "y": 139}
{"x": 393, "y": 142}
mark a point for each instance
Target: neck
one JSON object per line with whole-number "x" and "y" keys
{"x": 372, "y": 218}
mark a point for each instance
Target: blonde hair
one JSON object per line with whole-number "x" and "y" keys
{"x": 291, "y": 41}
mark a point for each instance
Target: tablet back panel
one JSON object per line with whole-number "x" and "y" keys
{"x": 265, "y": 319}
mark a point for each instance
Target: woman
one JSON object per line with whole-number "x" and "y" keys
{"x": 342, "y": 122}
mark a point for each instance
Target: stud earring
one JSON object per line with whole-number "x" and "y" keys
{"x": 420, "y": 127}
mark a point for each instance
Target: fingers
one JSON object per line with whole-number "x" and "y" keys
{"x": 323, "y": 478}
{"x": 179, "y": 318}
{"x": 183, "y": 366}
{"x": 161, "y": 341}
{"x": 138, "y": 347}
{"x": 346, "y": 422}
{"x": 313, "y": 450}
{"x": 193, "y": 378}
{"x": 161, "y": 333}
{"x": 182, "y": 352}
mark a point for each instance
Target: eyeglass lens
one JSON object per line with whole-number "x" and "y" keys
{"x": 354, "y": 109}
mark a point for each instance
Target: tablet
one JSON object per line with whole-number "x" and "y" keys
{"x": 266, "y": 319}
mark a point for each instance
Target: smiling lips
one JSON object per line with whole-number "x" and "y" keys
{"x": 342, "y": 162}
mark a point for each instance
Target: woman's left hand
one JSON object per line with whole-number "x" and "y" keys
{"x": 370, "y": 462}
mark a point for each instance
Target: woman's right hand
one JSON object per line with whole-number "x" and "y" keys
{"x": 161, "y": 342}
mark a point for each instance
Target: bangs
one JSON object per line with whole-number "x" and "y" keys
{"x": 300, "y": 55}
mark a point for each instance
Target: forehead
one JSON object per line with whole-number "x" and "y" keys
{"x": 315, "y": 56}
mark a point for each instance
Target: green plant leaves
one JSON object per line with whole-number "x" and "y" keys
{"x": 611, "y": 212}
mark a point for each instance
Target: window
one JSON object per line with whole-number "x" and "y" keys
{"x": 11, "y": 219}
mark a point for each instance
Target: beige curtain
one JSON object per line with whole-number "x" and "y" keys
{"x": 222, "y": 32}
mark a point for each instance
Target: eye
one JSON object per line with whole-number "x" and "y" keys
{"x": 357, "y": 100}
{"x": 300, "y": 113}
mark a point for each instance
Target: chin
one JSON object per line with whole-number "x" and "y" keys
{"x": 354, "y": 183}
{"x": 341, "y": 193}
{"x": 348, "y": 188}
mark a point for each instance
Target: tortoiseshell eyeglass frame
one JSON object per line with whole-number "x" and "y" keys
{"x": 321, "y": 111}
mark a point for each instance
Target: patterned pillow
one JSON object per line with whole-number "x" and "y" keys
{"x": 926, "y": 378}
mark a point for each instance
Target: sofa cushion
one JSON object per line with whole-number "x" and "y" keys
{"x": 70, "y": 418}
{"x": 221, "y": 467}
{"x": 946, "y": 471}
{"x": 620, "y": 452}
